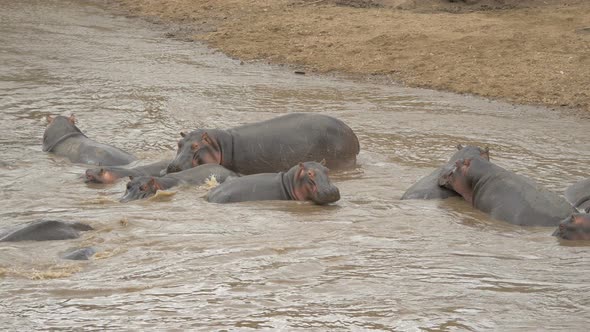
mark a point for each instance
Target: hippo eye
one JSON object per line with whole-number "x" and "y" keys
{"x": 180, "y": 144}
{"x": 128, "y": 185}
{"x": 195, "y": 146}
{"x": 143, "y": 188}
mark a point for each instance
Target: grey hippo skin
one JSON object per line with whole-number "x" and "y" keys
{"x": 112, "y": 174}
{"x": 575, "y": 227}
{"x": 428, "y": 188}
{"x": 270, "y": 146}
{"x": 504, "y": 194}
{"x": 307, "y": 181}
{"x": 79, "y": 254}
{"x": 44, "y": 230}
{"x": 147, "y": 186}
{"x": 63, "y": 138}
{"x": 578, "y": 195}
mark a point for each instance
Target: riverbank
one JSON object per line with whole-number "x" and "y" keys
{"x": 522, "y": 51}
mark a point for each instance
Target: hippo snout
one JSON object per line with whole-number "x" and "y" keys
{"x": 327, "y": 196}
{"x": 89, "y": 176}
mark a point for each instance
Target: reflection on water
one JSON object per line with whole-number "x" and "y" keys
{"x": 177, "y": 262}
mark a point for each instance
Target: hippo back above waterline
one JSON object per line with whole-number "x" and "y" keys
{"x": 63, "y": 138}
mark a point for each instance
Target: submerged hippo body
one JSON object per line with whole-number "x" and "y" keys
{"x": 79, "y": 254}
{"x": 307, "y": 181}
{"x": 112, "y": 174}
{"x": 270, "y": 146}
{"x": 504, "y": 194}
{"x": 574, "y": 227}
{"x": 147, "y": 186}
{"x": 428, "y": 188}
{"x": 44, "y": 230}
{"x": 578, "y": 195}
{"x": 63, "y": 138}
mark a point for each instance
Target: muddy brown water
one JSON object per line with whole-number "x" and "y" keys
{"x": 177, "y": 262}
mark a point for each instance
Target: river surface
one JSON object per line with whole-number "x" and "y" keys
{"x": 177, "y": 262}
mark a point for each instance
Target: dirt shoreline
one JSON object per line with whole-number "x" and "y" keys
{"x": 529, "y": 52}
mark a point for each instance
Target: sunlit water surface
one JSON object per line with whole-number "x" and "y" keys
{"x": 370, "y": 261}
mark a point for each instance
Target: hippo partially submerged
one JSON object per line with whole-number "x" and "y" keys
{"x": 307, "y": 181}
{"x": 578, "y": 195}
{"x": 428, "y": 188}
{"x": 574, "y": 227}
{"x": 270, "y": 146}
{"x": 147, "y": 186}
{"x": 112, "y": 174}
{"x": 44, "y": 230}
{"x": 63, "y": 138}
{"x": 504, "y": 194}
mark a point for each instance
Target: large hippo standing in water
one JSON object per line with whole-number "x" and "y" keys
{"x": 578, "y": 195}
{"x": 504, "y": 194}
{"x": 270, "y": 146}
{"x": 147, "y": 186}
{"x": 111, "y": 174}
{"x": 428, "y": 188}
{"x": 307, "y": 181}
{"x": 63, "y": 138}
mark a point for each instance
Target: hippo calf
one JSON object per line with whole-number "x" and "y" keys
{"x": 147, "y": 186}
{"x": 307, "y": 181}
{"x": 504, "y": 194}
{"x": 112, "y": 174}
{"x": 574, "y": 227}
{"x": 45, "y": 230}
{"x": 63, "y": 138}
{"x": 428, "y": 188}
{"x": 578, "y": 195}
{"x": 270, "y": 146}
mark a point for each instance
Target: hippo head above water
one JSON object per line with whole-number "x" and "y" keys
{"x": 59, "y": 128}
{"x": 194, "y": 149}
{"x": 141, "y": 187}
{"x": 455, "y": 177}
{"x": 100, "y": 175}
{"x": 311, "y": 182}
{"x": 575, "y": 227}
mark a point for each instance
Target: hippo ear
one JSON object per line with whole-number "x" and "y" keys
{"x": 183, "y": 134}
{"x": 72, "y": 119}
{"x": 323, "y": 162}
{"x": 205, "y": 137}
{"x": 131, "y": 177}
{"x": 459, "y": 146}
{"x": 101, "y": 171}
{"x": 49, "y": 118}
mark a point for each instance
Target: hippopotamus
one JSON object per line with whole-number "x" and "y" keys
{"x": 63, "y": 138}
{"x": 578, "y": 195}
{"x": 270, "y": 146}
{"x": 79, "y": 254}
{"x": 146, "y": 186}
{"x": 574, "y": 227}
{"x": 306, "y": 181}
{"x": 504, "y": 194}
{"x": 428, "y": 188}
{"x": 112, "y": 174}
{"x": 45, "y": 230}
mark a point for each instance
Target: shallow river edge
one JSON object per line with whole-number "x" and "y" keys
{"x": 493, "y": 53}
